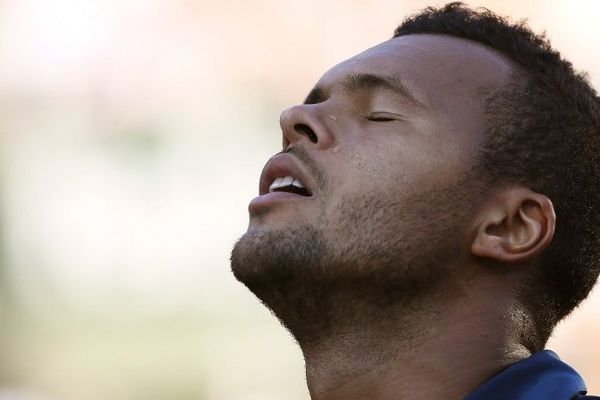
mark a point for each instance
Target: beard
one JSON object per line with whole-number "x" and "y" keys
{"x": 378, "y": 259}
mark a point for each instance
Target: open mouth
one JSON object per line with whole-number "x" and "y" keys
{"x": 283, "y": 179}
{"x": 289, "y": 184}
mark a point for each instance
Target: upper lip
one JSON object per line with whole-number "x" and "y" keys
{"x": 284, "y": 164}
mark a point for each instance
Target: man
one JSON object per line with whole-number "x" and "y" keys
{"x": 433, "y": 215}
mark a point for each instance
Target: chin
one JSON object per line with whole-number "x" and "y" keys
{"x": 269, "y": 252}
{"x": 287, "y": 270}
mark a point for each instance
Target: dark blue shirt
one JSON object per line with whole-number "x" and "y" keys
{"x": 542, "y": 376}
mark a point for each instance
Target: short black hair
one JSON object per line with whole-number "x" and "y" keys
{"x": 544, "y": 133}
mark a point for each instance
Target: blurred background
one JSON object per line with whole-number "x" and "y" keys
{"x": 132, "y": 137}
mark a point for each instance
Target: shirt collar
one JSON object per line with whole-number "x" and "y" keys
{"x": 540, "y": 376}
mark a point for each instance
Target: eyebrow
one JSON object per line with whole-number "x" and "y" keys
{"x": 355, "y": 82}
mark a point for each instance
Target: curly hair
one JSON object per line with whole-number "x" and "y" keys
{"x": 544, "y": 132}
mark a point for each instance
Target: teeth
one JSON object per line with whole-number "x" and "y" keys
{"x": 287, "y": 181}
{"x": 284, "y": 181}
{"x": 276, "y": 184}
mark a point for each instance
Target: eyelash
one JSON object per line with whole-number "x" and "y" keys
{"x": 382, "y": 117}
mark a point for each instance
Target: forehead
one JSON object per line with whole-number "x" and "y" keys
{"x": 438, "y": 69}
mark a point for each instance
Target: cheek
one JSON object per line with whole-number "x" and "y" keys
{"x": 405, "y": 165}
{"x": 362, "y": 171}
{"x": 382, "y": 165}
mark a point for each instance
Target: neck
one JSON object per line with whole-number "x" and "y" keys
{"x": 441, "y": 349}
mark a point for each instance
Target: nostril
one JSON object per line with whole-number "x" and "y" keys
{"x": 306, "y": 130}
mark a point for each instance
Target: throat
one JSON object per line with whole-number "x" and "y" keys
{"x": 420, "y": 355}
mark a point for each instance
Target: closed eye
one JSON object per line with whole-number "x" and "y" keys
{"x": 383, "y": 117}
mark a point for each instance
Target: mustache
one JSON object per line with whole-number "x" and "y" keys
{"x": 313, "y": 167}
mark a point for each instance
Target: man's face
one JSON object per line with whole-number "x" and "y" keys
{"x": 384, "y": 147}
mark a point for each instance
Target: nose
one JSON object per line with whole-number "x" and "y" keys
{"x": 304, "y": 123}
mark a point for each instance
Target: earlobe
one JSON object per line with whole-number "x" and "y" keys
{"x": 514, "y": 226}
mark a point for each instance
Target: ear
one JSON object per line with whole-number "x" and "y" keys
{"x": 515, "y": 225}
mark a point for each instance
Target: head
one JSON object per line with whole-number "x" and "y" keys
{"x": 463, "y": 149}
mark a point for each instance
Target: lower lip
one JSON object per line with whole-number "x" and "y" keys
{"x": 271, "y": 199}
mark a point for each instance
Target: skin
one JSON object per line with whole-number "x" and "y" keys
{"x": 397, "y": 207}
